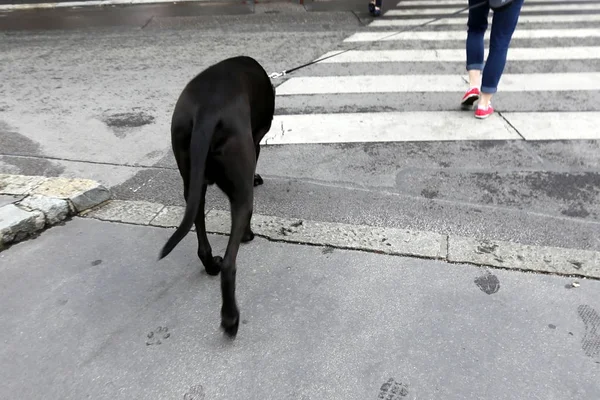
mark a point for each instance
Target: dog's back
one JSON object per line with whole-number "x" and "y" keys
{"x": 219, "y": 87}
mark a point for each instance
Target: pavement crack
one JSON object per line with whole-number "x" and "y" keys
{"x": 511, "y": 125}
{"x": 148, "y": 22}
{"x": 360, "y": 22}
{"x": 86, "y": 161}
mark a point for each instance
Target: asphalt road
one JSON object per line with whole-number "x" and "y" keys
{"x": 96, "y": 102}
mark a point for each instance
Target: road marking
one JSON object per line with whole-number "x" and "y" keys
{"x": 526, "y": 7}
{"x": 462, "y": 35}
{"x": 461, "y": 3}
{"x": 462, "y": 20}
{"x": 430, "y": 126}
{"x": 450, "y": 55}
{"x": 386, "y": 127}
{"x": 556, "y": 125}
{"x": 575, "y": 81}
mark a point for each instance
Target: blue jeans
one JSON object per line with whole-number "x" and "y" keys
{"x": 503, "y": 25}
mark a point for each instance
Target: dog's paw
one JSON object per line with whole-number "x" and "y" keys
{"x": 248, "y": 236}
{"x": 258, "y": 180}
{"x": 215, "y": 266}
{"x": 230, "y": 325}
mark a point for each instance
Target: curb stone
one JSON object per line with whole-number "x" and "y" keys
{"x": 39, "y": 202}
{"x": 392, "y": 241}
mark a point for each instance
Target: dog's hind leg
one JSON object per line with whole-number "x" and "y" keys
{"x": 258, "y": 180}
{"x": 238, "y": 186}
{"x": 258, "y": 135}
{"x": 211, "y": 264}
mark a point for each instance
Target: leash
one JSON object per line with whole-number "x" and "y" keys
{"x": 276, "y": 75}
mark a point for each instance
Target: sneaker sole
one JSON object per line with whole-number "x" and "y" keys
{"x": 483, "y": 116}
{"x": 469, "y": 101}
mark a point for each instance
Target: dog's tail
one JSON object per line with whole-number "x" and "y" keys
{"x": 202, "y": 133}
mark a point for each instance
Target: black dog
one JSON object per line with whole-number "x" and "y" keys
{"x": 218, "y": 122}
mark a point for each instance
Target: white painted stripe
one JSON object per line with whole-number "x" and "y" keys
{"x": 435, "y": 83}
{"x": 462, "y": 20}
{"x": 430, "y": 126}
{"x": 463, "y": 3}
{"x": 450, "y": 55}
{"x": 92, "y": 3}
{"x": 462, "y": 35}
{"x": 556, "y": 125}
{"x": 385, "y": 127}
{"x": 526, "y": 8}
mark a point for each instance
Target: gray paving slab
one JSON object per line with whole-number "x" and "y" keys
{"x": 5, "y": 199}
{"x": 54, "y": 210}
{"x": 17, "y": 224}
{"x": 86, "y": 321}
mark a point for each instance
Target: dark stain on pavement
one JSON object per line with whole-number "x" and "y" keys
{"x": 156, "y": 336}
{"x": 195, "y": 393}
{"x": 488, "y": 144}
{"x": 551, "y": 326}
{"x": 96, "y": 262}
{"x": 128, "y": 120}
{"x": 372, "y": 149}
{"x": 393, "y": 390}
{"x": 576, "y": 264}
{"x": 576, "y": 210}
{"x": 591, "y": 339}
{"x": 14, "y": 143}
{"x": 526, "y": 187}
{"x": 17, "y": 147}
{"x": 488, "y": 283}
{"x": 429, "y": 193}
{"x": 34, "y": 166}
{"x": 565, "y": 186}
{"x": 121, "y": 123}
{"x": 487, "y": 248}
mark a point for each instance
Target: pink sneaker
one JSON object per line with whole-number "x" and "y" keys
{"x": 484, "y": 112}
{"x": 470, "y": 97}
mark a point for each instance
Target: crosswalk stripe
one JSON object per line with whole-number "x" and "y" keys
{"x": 463, "y": 3}
{"x": 526, "y": 7}
{"x": 403, "y": 126}
{"x": 462, "y": 20}
{"x": 426, "y": 126}
{"x": 435, "y": 83}
{"x": 385, "y": 127}
{"x": 556, "y": 125}
{"x": 450, "y": 55}
{"x": 462, "y": 35}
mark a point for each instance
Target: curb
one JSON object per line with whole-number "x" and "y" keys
{"x": 391, "y": 241}
{"x": 30, "y": 204}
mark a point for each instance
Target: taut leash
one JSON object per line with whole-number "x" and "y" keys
{"x": 276, "y": 75}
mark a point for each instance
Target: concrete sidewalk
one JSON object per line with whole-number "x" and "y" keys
{"x": 88, "y": 312}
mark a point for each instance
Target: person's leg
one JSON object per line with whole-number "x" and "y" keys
{"x": 503, "y": 26}
{"x": 476, "y": 27}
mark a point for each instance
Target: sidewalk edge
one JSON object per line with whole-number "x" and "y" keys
{"x": 40, "y": 202}
{"x": 392, "y": 241}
